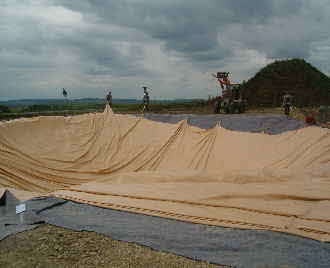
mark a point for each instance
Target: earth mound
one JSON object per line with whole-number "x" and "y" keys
{"x": 306, "y": 83}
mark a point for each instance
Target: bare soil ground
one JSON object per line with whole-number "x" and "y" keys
{"x": 50, "y": 246}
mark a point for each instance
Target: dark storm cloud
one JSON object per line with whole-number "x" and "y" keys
{"x": 40, "y": 48}
{"x": 100, "y": 52}
{"x": 48, "y": 42}
{"x": 190, "y": 27}
{"x": 184, "y": 27}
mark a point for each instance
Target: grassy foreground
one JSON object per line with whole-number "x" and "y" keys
{"x": 50, "y": 246}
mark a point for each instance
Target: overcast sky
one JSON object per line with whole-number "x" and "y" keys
{"x": 172, "y": 46}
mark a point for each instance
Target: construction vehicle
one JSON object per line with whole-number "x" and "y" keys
{"x": 230, "y": 99}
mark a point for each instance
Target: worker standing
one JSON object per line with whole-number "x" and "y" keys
{"x": 146, "y": 99}
{"x": 65, "y": 93}
{"x": 287, "y": 103}
{"x": 109, "y": 98}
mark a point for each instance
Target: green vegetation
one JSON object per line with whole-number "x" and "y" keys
{"x": 117, "y": 107}
{"x": 308, "y": 85}
{"x": 77, "y": 107}
{"x": 4, "y": 109}
{"x": 193, "y": 106}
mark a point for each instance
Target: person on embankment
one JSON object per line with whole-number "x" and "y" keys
{"x": 109, "y": 98}
{"x": 287, "y": 103}
{"x": 146, "y": 99}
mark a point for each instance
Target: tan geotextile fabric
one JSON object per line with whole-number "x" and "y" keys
{"x": 216, "y": 176}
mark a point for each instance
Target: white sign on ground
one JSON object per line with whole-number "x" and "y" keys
{"x": 20, "y": 208}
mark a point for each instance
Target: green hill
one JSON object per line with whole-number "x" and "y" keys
{"x": 307, "y": 84}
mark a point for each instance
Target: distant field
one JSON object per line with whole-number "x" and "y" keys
{"x": 75, "y": 107}
{"x": 78, "y": 107}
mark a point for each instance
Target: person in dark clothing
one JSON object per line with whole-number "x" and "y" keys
{"x": 146, "y": 99}
{"x": 109, "y": 98}
{"x": 287, "y": 103}
{"x": 65, "y": 93}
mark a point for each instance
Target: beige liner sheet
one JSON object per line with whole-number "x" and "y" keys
{"x": 216, "y": 176}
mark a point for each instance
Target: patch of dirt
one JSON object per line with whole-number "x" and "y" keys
{"x": 50, "y": 246}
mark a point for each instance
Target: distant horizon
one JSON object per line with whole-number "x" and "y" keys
{"x": 172, "y": 47}
{"x": 62, "y": 101}
{"x": 86, "y": 98}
